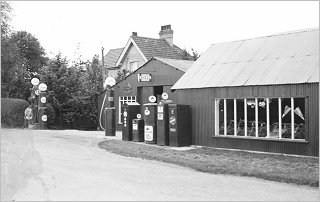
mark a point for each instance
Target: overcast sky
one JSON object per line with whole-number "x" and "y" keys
{"x": 61, "y": 25}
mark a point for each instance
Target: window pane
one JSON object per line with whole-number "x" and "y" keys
{"x": 230, "y": 117}
{"x": 286, "y": 117}
{"x": 299, "y": 118}
{"x": 251, "y": 117}
{"x": 221, "y": 116}
{"x": 240, "y": 117}
{"x": 262, "y": 117}
{"x": 274, "y": 117}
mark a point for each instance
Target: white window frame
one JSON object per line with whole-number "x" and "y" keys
{"x": 122, "y": 100}
{"x": 256, "y": 118}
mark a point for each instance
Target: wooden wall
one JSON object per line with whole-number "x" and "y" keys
{"x": 203, "y": 111}
{"x": 162, "y": 75}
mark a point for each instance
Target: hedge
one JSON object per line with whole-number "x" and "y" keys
{"x": 12, "y": 112}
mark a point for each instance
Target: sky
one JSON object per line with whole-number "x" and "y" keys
{"x": 83, "y": 27}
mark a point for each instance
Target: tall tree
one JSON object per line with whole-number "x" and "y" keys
{"x": 21, "y": 58}
{"x": 6, "y": 11}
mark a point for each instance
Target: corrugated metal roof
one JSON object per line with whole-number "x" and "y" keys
{"x": 286, "y": 58}
{"x": 182, "y": 65}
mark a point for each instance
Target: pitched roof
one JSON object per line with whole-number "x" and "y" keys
{"x": 286, "y": 58}
{"x": 149, "y": 47}
{"x": 182, "y": 65}
{"x": 112, "y": 56}
{"x": 157, "y": 48}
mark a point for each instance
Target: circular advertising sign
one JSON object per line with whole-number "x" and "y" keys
{"x": 152, "y": 98}
{"x": 164, "y": 96}
{"x": 43, "y": 99}
{"x": 110, "y": 81}
{"x": 42, "y": 87}
{"x": 44, "y": 118}
{"x": 35, "y": 81}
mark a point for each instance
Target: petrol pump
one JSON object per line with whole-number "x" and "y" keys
{"x": 109, "y": 110}
{"x": 163, "y": 120}
{"x": 179, "y": 125}
{"x": 150, "y": 121}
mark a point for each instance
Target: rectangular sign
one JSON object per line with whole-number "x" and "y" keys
{"x": 134, "y": 126}
{"x": 160, "y": 109}
{"x": 144, "y": 77}
{"x": 148, "y": 133}
{"x": 160, "y": 116}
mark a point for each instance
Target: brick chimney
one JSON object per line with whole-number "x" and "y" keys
{"x": 167, "y": 34}
{"x": 134, "y": 34}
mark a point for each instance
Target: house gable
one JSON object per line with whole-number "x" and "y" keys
{"x": 131, "y": 50}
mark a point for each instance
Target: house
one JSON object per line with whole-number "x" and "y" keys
{"x": 153, "y": 78}
{"x": 259, "y": 94}
{"x": 138, "y": 50}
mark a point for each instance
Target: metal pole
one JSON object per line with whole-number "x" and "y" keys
{"x": 102, "y": 68}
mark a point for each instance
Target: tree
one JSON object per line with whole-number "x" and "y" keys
{"x": 21, "y": 58}
{"x": 122, "y": 74}
{"x": 6, "y": 10}
{"x": 194, "y": 55}
{"x": 72, "y": 92}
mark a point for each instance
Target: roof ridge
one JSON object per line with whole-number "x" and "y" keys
{"x": 116, "y": 48}
{"x": 276, "y": 34}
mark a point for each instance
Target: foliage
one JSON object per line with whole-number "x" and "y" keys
{"x": 73, "y": 91}
{"x": 194, "y": 55}
{"x": 6, "y": 10}
{"x": 22, "y": 57}
{"x": 122, "y": 74}
{"x": 12, "y": 112}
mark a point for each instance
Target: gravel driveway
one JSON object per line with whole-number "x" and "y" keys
{"x": 68, "y": 165}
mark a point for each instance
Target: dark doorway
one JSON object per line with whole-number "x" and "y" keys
{"x": 157, "y": 91}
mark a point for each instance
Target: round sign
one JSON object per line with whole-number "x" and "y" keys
{"x": 164, "y": 96}
{"x": 139, "y": 116}
{"x": 146, "y": 112}
{"x": 44, "y": 117}
{"x": 28, "y": 113}
{"x": 35, "y": 81}
{"x": 152, "y": 98}
{"x": 172, "y": 120}
{"x": 43, "y": 99}
{"x": 110, "y": 81}
{"x": 37, "y": 92}
{"x": 42, "y": 87}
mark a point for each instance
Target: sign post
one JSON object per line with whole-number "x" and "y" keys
{"x": 38, "y": 99}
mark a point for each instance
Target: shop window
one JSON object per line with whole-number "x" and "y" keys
{"x": 240, "y": 117}
{"x": 274, "y": 117}
{"x": 261, "y": 117}
{"x": 220, "y": 114}
{"x": 251, "y": 117}
{"x": 230, "y": 116}
{"x": 122, "y": 100}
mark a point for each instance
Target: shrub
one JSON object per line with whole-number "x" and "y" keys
{"x": 12, "y": 112}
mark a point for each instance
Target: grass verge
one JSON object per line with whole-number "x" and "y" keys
{"x": 280, "y": 168}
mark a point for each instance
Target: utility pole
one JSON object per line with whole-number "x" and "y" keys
{"x": 102, "y": 69}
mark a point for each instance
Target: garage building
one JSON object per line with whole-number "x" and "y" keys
{"x": 153, "y": 78}
{"x": 258, "y": 94}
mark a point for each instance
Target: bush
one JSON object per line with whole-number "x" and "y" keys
{"x": 12, "y": 112}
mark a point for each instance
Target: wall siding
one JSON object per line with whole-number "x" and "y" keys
{"x": 162, "y": 75}
{"x": 202, "y": 105}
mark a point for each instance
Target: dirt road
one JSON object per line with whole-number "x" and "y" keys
{"x": 68, "y": 165}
